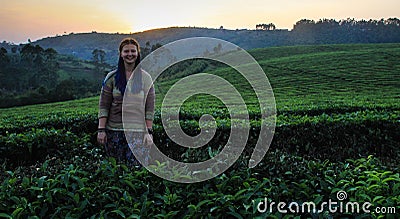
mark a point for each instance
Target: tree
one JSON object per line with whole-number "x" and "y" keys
{"x": 14, "y": 49}
{"x": 303, "y": 25}
{"x": 98, "y": 56}
{"x": 156, "y": 46}
{"x": 39, "y": 59}
{"x": 99, "y": 59}
{"x": 41, "y": 64}
{"x": 146, "y": 50}
{"x": 269, "y": 26}
{"x": 27, "y": 54}
{"x": 217, "y": 49}
{"x": 95, "y": 56}
{"x": 3, "y": 56}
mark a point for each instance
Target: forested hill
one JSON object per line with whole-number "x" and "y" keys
{"x": 304, "y": 32}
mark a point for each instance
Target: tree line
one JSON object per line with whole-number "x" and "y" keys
{"x": 326, "y": 24}
{"x": 29, "y": 75}
{"x": 331, "y": 31}
{"x": 347, "y": 31}
{"x": 304, "y": 32}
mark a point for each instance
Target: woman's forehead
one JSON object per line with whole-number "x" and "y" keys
{"x": 129, "y": 46}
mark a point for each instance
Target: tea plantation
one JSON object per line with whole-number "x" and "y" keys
{"x": 338, "y": 125}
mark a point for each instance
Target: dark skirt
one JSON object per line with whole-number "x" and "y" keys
{"x": 118, "y": 147}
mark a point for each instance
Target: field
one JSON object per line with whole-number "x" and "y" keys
{"x": 338, "y": 126}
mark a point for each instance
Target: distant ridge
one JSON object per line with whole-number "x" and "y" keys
{"x": 304, "y": 32}
{"x": 82, "y": 44}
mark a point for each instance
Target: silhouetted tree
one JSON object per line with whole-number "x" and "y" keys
{"x": 3, "y": 56}
{"x": 148, "y": 49}
{"x": 28, "y": 54}
{"x": 269, "y": 26}
{"x": 99, "y": 59}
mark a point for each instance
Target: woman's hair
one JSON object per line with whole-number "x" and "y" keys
{"x": 120, "y": 78}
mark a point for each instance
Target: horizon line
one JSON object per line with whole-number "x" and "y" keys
{"x": 194, "y": 27}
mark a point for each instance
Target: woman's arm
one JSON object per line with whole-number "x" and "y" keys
{"x": 149, "y": 111}
{"x": 104, "y": 107}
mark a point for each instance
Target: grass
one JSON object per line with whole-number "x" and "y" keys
{"x": 337, "y": 105}
{"x": 303, "y": 78}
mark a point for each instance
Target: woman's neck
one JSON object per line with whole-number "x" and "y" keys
{"x": 129, "y": 70}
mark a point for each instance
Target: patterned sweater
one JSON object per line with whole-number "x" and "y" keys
{"x": 137, "y": 107}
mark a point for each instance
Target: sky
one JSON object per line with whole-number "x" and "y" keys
{"x": 21, "y": 20}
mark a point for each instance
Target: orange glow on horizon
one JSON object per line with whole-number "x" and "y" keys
{"x": 33, "y": 19}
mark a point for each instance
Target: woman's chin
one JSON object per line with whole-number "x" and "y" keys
{"x": 130, "y": 62}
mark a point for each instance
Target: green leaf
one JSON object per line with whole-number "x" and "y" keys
{"x": 130, "y": 184}
{"x": 16, "y": 213}
{"x": 79, "y": 181}
{"x": 370, "y": 188}
{"x": 76, "y": 198}
{"x": 335, "y": 190}
{"x": 288, "y": 216}
{"x": 15, "y": 199}
{"x": 25, "y": 182}
{"x": 236, "y": 215}
{"x": 192, "y": 208}
{"x": 377, "y": 198}
{"x": 240, "y": 192}
{"x": 318, "y": 199}
{"x": 389, "y": 179}
{"x": 214, "y": 208}
{"x": 134, "y": 216}
{"x": 366, "y": 197}
{"x": 4, "y": 215}
{"x": 120, "y": 213}
{"x": 202, "y": 203}
{"x": 110, "y": 206}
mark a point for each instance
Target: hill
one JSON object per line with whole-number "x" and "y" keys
{"x": 307, "y": 76}
{"x": 82, "y": 44}
{"x": 46, "y": 76}
{"x": 304, "y": 32}
{"x": 337, "y": 131}
{"x": 304, "y": 77}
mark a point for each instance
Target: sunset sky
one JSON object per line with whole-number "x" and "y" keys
{"x": 21, "y": 20}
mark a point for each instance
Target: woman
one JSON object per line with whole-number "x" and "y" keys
{"x": 111, "y": 129}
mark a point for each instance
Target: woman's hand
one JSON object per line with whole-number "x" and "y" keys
{"x": 102, "y": 137}
{"x": 148, "y": 139}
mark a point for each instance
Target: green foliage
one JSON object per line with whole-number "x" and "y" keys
{"x": 344, "y": 140}
{"x": 45, "y": 76}
{"x": 108, "y": 189}
{"x": 325, "y": 31}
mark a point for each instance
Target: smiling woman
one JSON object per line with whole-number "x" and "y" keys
{"x": 111, "y": 130}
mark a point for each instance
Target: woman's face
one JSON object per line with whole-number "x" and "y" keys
{"x": 129, "y": 53}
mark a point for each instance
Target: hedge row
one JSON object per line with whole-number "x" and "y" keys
{"x": 111, "y": 190}
{"x": 337, "y": 140}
